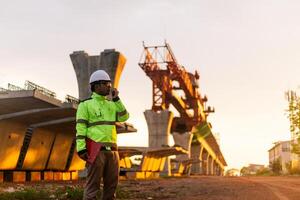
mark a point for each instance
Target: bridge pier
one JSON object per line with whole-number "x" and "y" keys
{"x": 212, "y": 166}
{"x": 159, "y": 126}
{"x": 215, "y": 168}
{"x": 84, "y": 65}
{"x": 218, "y": 170}
{"x": 184, "y": 140}
{"x": 208, "y": 167}
{"x": 206, "y": 163}
{"x": 221, "y": 171}
{"x": 196, "y": 151}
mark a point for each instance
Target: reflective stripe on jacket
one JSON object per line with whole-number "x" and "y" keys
{"x": 96, "y": 118}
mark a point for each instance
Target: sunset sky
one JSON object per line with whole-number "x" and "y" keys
{"x": 247, "y": 53}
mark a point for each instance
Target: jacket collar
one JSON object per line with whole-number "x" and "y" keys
{"x": 98, "y": 96}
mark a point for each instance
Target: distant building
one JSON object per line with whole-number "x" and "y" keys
{"x": 252, "y": 169}
{"x": 281, "y": 151}
{"x": 295, "y": 163}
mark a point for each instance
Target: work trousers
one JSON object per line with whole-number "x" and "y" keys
{"x": 106, "y": 167}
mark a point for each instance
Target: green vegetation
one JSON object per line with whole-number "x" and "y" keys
{"x": 264, "y": 172}
{"x": 292, "y": 171}
{"x": 65, "y": 193}
{"x": 25, "y": 195}
{"x": 122, "y": 194}
{"x": 74, "y": 193}
{"x": 294, "y": 117}
{"x": 276, "y": 167}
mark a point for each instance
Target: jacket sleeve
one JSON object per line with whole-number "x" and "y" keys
{"x": 121, "y": 112}
{"x": 81, "y": 127}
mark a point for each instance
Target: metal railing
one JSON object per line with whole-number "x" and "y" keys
{"x": 71, "y": 99}
{"x": 32, "y": 86}
{"x": 3, "y": 89}
{"x": 12, "y": 87}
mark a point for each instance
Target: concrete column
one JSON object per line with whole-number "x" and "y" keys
{"x": 84, "y": 65}
{"x": 195, "y": 154}
{"x": 221, "y": 171}
{"x": 203, "y": 157}
{"x": 218, "y": 170}
{"x": 159, "y": 126}
{"x": 215, "y": 168}
{"x": 208, "y": 165}
{"x": 201, "y": 160}
{"x": 212, "y": 167}
{"x": 184, "y": 140}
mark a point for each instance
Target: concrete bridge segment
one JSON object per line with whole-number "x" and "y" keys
{"x": 38, "y": 134}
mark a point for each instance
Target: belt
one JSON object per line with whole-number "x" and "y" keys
{"x": 104, "y": 148}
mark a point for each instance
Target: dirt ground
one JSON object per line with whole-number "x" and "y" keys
{"x": 215, "y": 188}
{"x": 189, "y": 188}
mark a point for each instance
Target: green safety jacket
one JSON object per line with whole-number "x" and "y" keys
{"x": 96, "y": 119}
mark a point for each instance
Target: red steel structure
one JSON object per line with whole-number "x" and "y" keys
{"x": 172, "y": 84}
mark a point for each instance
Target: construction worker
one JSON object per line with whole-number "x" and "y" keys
{"x": 96, "y": 137}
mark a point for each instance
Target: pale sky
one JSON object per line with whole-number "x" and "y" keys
{"x": 247, "y": 53}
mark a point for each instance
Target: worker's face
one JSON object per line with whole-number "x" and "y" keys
{"x": 103, "y": 88}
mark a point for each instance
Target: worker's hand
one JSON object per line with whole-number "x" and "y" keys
{"x": 83, "y": 155}
{"x": 114, "y": 93}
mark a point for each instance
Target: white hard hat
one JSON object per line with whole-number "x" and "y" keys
{"x": 99, "y": 75}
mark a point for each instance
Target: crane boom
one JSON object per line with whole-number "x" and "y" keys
{"x": 168, "y": 77}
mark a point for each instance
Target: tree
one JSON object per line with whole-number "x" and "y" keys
{"x": 245, "y": 171}
{"x": 276, "y": 166}
{"x": 294, "y": 117}
{"x": 264, "y": 172}
{"x": 232, "y": 172}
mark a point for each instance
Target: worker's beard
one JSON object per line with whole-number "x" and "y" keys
{"x": 104, "y": 93}
{"x": 107, "y": 93}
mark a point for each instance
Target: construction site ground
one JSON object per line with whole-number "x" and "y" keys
{"x": 180, "y": 188}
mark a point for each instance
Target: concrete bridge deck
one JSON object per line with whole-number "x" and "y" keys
{"x": 38, "y": 132}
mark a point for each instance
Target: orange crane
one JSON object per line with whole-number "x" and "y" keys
{"x": 172, "y": 84}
